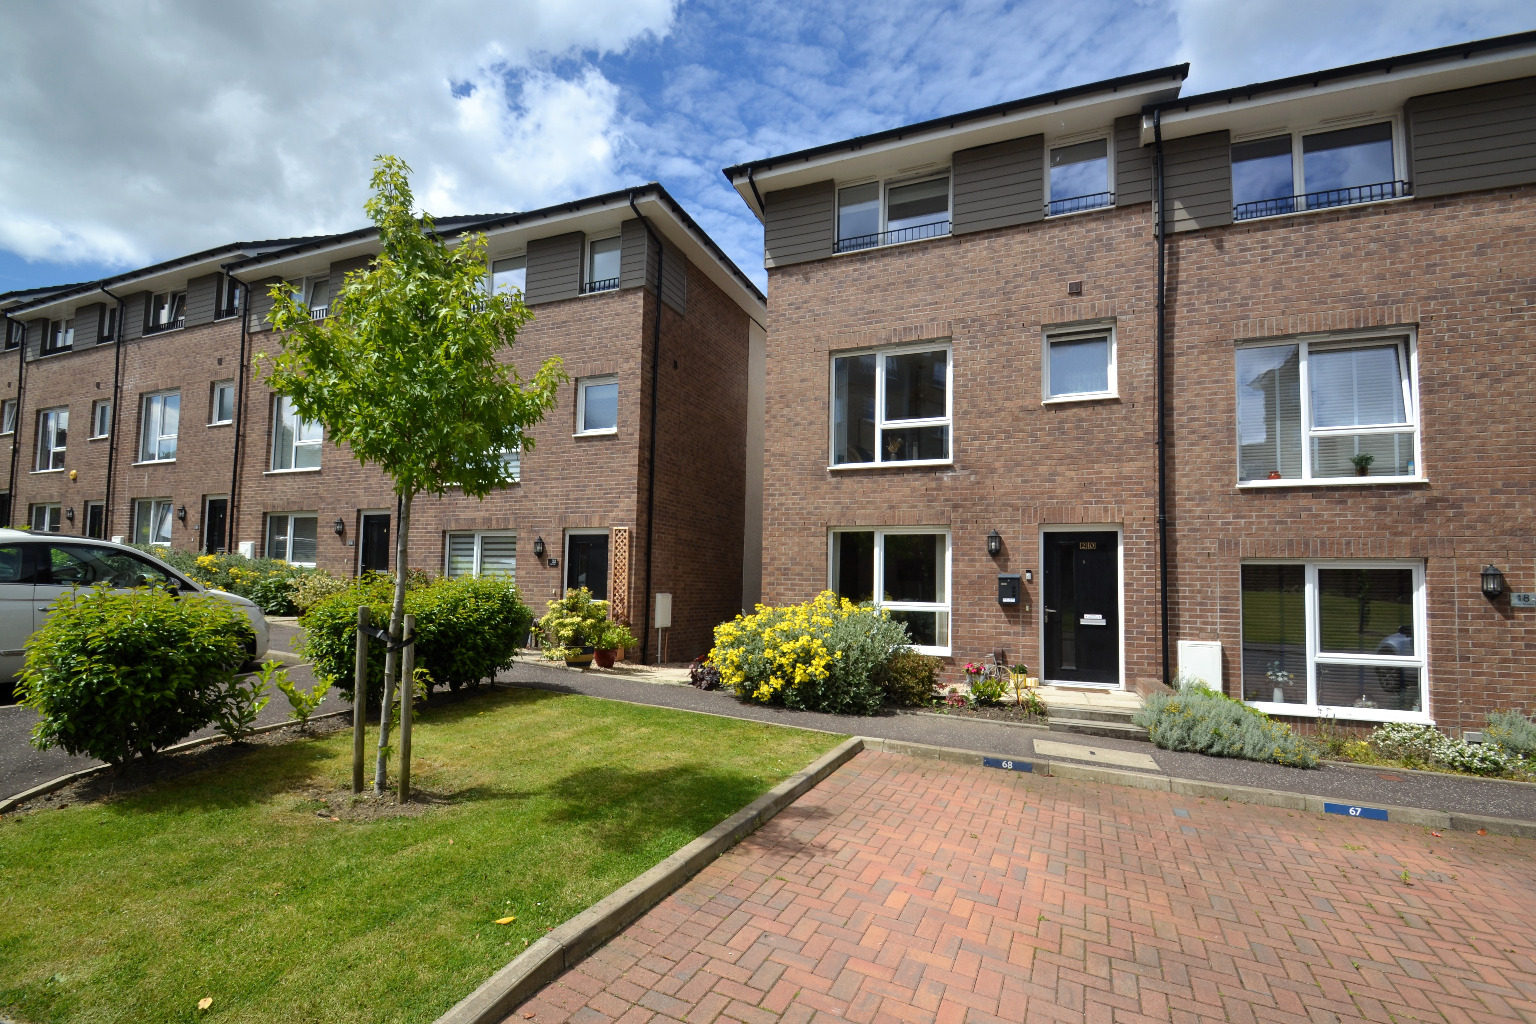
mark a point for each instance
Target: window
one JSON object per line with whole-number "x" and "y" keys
{"x": 482, "y": 554}
{"x": 1080, "y": 178}
{"x": 905, "y": 572}
{"x": 891, "y": 406}
{"x": 291, "y": 537}
{"x": 60, "y": 337}
{"x": 52, "y": 430}
{"x": 47, "y": 518}
{"x": 15, "y": 333}
{"x": 597, "y": 405}
{"x": 166, "y": 310}
{"x": 101, "y": 418}
{"x": 229, "y": 297}
{"x": 96, "y": 519}
{"x": 512, "y": 464}
{"x": 108, "y": 324}
{"x": 221, "y": 403}
{"x": 319, "y": 298}
{"x": 88, "y": 565}
{"x": 1080, "y": 363}
{"x": 1312, "y": 171}
{"x": 508, "y": 275}
{"x": 152, "y": 521}
{"x": 295, "y": 441}
{"x": 911, "y": 210}
{"x": 8, "y": 416}
{"x": 1327, "y": 410}
{"x": 1337, "y": 638}
{"x": 602, "y": 265}
{"x": 159, "y": 426}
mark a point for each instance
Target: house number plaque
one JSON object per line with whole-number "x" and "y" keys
{"x": 1522, "y": 600}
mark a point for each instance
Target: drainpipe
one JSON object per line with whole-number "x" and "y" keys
{"x": 759, "y": 195}
{"x": 21, "y": 375}
{"x": 239, "y": 424}
{"x": 1162, "y": 418}
{"x": 117, "y": 381}
{"x": 650, "y": 487}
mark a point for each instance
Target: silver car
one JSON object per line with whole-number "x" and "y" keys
{"x": 35, "y": 568}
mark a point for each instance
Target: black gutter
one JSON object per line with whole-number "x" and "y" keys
{"x": 117, "y": 382}
{"x": 238, "y": 424}
{"x": 21, "y": 376}
{"x": 650, "y": 487}
{"x": 762, "y": 208}
{"x": 1316, "y": 78}
{"x": 1108, "y": 85}
{"x": 1162, "y": 418}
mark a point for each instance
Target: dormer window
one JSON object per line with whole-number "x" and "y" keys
{"x": 508, "y": 275}
{"x": 319, "y": 299}
{"x": 1299, "y": 171}
{"x": 910, "y": 210}
{"x": 1080, "y": 178}
{"x": 229, "y": 297}
{"x": 167, "y": 311}
{"x": 60, "y": 336}
{"x": 108, "y": 325}
{"x": 602, "y": 265}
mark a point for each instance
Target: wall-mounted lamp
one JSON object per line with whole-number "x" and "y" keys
{"x": 538, "y": 547}
{"x": 69, "y": 513}
{"x": 341, "y": 526}
{"x": 1493, "y": 582}
{"x": 181, "y": 513}
{"x": 994, "y": 543}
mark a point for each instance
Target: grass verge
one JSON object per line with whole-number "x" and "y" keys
{"x": 237, "y": 883}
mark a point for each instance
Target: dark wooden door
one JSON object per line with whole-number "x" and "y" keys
{"x": 215, "y": 525}
{"x": 375, "y": 553}
{"x": 586, "y": 563}
{"x": 1082, "y": 607}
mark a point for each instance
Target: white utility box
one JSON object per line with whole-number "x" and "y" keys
{"x": 1201, "y": 659}
{"x": 663, "y": 612}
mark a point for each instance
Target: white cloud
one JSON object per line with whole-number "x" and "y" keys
{"x": 131, "y": 131}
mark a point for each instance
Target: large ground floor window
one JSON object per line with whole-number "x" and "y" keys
{"x": 482, "y": 554}
{"x": 293, "y": 537}
{"x": 1335, "y": 638}
{"x": 152, "y": 521}
{"x": 905, "y": 571}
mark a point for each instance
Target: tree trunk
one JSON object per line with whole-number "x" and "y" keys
{"x": 392, "y": 658}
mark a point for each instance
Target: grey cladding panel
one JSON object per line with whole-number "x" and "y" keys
{"x": 261, "y": 303}
{"x": 341, "y": 268}
{"x": 799, "y": 224}
{"x": 999, "y": 185}
{"x": 1484, "y": 137}
{"x": 88, "y": 324}
{"x": 1133, "y": 163}
{"x": 36, "y": 330}
{"x": 554, "y": 268}
{"x": 674, "y": 279}
{"x": 637, "y": 257}
{"x": 1197, "y": 181}
{"x": 133, "y": 315}
{"x": 203, "y": 299}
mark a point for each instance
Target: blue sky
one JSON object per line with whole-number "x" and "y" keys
{"x": 180, "y": 126}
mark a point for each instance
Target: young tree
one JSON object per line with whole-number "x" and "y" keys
{"x": 404, "y": 372}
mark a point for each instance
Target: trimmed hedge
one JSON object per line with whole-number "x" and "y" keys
{"x": 467, "y": 629}
{"x": 115, "y": 674}
{"x": 1207, "y": 722}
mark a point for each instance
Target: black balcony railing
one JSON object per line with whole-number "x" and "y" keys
{"x": 607, "y": 284}
{"x": 1321, "y": 200}
{"x": 1077, "y": 204}
{"x": 879, "y": 238}
{"x": 169, "y": 325}
{"x": 229, "y": 311}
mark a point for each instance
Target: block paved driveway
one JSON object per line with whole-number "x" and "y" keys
{"x": 902, "y": 890}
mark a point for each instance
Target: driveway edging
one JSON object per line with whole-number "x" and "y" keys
{"x": 573, "y": 940}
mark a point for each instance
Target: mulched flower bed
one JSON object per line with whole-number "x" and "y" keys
{"x": 996, "y": 713}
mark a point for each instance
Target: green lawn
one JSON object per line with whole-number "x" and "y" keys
{"x": 227, "y": 884}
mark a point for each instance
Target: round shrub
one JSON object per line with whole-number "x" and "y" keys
{"x": 467, "y": 629}
{"x": 1208, "y": 722}
{"x": 115, "y": 674}
{"x": 825, "y": 655}
{"x": 573, "y": 622}
{"x": 910, "y": 679}
{"x": 1512, "y": 731}
{"x": 1424, "y": 746}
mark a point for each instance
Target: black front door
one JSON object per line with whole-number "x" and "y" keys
{"x": 215, "y": 525}
{"x": 1082, "y": 607}
{"x": 586, "y": 563}
{"x": 375, "y": 554}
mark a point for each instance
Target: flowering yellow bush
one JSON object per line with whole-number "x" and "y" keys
{"x": 823, "y": 655}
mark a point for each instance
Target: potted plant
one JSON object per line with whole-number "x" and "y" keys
{"x": 610, "y": 642}
{"x": 1362, "y": 463}
{"x": 572, "y": 627}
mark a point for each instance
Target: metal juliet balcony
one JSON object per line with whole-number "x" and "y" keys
{"x": 319, "y": 312}
{"x": 168, "y": 325}
{"x": 607, "y": 284}
{"x": 1077, "y": 204}
{"x": 935, "y": 230}
{"x": 1321, "y": 200}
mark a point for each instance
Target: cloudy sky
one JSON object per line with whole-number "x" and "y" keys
{"x": 132, "y": 131}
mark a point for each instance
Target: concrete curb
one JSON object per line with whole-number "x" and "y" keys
{"x": 11, "y": 802}
{"x": 562, "y": 948}
{"x": 1217, "y": 791}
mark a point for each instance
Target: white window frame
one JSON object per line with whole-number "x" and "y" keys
{"x": 230, "y": 298}
{"x": 490, "y": 270}
{"x": 587, "y": 281}
{"x": 321, "y": 311}
{"x": 1079, "y": 332}
{"x": 49, "y": 432}
{"x": 1298, "y": 169}
{"x": 171, "y": 306}
{"x": 1406, "y": 337}
{"x": 293, "y": 451}
{"x": 1315, "y": 656}
{"x": 478, "y": 560}
{"x": 213, "y": 402}
{"x": 1109, "y": 173}
{"x": 148, "y": 421}
{"x": 581, "y": 406}
{"x": 886, "y": 184}
{"x": 947, "y": 420}
{"x": 152, "y": 507}
{"x": 881, "y": 532}
{"x": 91, "y": 506}
{"x": 52, "y": 516}
{"x": 108, "y": 323}
{"x": 266, "y": 538}
{"x": 60, "y": 337}
{"x": 101, "y": 409}
{"x": 8, "y": 415}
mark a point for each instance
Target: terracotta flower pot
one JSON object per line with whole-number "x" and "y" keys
{"x": 581, "y": 660}
{"x": 605, "y": 659}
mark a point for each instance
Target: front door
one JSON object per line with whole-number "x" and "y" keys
{"x": 375, "y": 554}
{"x": 215, "y": 525}
{"x": 586, "y": 563}
{"x": 1082, "y": 607}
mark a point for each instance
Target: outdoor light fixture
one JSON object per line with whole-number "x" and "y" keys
{"x": 341, "y": 526}
{"x": 1493, "y": 582}
{"x": 538, "y": 547}
{"x": 181, "y": 513}
{"x": 994, "y": 543}
{"x": 69, "y": 513}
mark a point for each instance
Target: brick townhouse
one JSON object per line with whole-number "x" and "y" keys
{"x": 969, "y": 383}
{"x": 175, "y": 440}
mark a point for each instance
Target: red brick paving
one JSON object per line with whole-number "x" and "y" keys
{"x": 917, "y": 892}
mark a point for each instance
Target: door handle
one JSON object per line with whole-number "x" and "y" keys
{"x": 1050, "y": 611}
